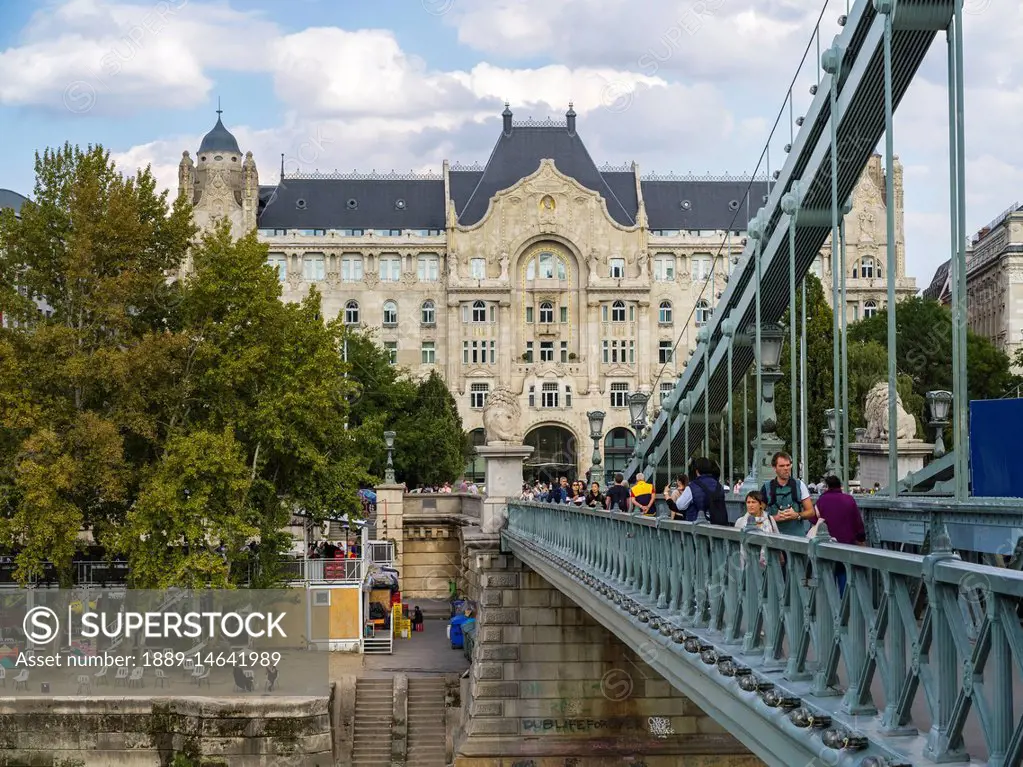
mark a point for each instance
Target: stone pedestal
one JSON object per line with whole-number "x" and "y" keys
{"x": 504, "y": 480}
{"x": 873, "y": 457}
{"x": 391, "y": 519}
{"x": 762, "y": 470}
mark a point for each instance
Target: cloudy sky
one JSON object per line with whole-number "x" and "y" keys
{"x": 686, "y": 85}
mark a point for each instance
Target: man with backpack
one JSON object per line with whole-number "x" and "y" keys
{"x": 788, "y": 498}
{"x": 703, "y": 495}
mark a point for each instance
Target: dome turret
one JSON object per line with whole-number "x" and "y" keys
{"x": 220, "y": 139}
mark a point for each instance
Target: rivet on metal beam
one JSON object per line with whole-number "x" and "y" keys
{"x": 800, "y": 121}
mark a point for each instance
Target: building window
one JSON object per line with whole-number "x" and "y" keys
{"x": 818, "y": 268}
{"x": 564, "y": 315}
{"x": 618, "y": 352}
{"x": 568, "y": 396}
{"x": 617, "y": 268}
{"x": 618, "y": 446}
{"x": 546, "y": 312}
{"x": 618, "y": 311}
{"x": 547, "y": 266}
{"x": 475, "y": 352}
{"x": 701, "y": 268}
{"x": 619, "y": 395}
{"x": 546, "y": 351}
{"x": 529, "y": 314}
{"x": 390, "y": 268}
{"x": 351, "y": 268}
{"x": 479, "y": 311}
{"x": 703, "y": 313}
{"x": 666, "y": 388}
{"x": 429, "y": 313}
{"x": 564, "y": 351}
{"x": 391, "y": 347}
{"x": 664, "y": 268}
{"x": 390, "y": 314}
{"x": 429, "y": 268}
{"x": 664, "y": 313}
{"x": 478, "y": 395}
{"x": 429, "y": 352}
{"x": 280, "y": 263}
{"x": 313, "y": 268}
{"x": 528, "y": 356}
{"x": 478, "y": 268}
{"x": 352, "y": 313}
{"x": 664, "y": 352}
{"x": 549, "y": 395}
{"x": 869, "y": 309}
{"x": 866, "y": 268}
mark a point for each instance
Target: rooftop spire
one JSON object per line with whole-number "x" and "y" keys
{"x": 506, "y": 115}
{"x": 219, "y": 110}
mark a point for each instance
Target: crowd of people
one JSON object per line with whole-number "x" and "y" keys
{"x": 785, "y": 505}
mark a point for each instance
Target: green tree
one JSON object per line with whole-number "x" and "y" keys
{"x": 81, "y": 388}
{"x": 924, "y": 353}
{"x": 430, "y": 447}
{"x": 193, "y": 500}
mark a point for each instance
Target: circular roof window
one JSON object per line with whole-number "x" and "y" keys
{"x": 733, "y": 205}
{"x": 685, "y": 205}
{"x": 218, "y": 157}
{"x": 399, "y": 204}
{"x": 352, "y": 203}
{"x": 300, "y": 203}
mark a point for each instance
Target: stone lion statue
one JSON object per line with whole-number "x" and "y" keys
{"x": 876, "y": 412}
{"x": 502, "y": 417}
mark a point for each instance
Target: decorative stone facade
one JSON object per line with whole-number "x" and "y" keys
{"x": 994, "y": 281}
{"x": 572, "y": 286}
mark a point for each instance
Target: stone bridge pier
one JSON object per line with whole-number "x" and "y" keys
{"x": 551, "y": 686}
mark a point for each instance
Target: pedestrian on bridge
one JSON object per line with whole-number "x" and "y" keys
{"x": 788, "y": 498}
{"x": 838, "y": 510}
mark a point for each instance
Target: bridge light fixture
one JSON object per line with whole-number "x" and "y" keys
{"x": 940, "y": 404}
{"x": 637, "y": 408}
{"x": 771, "y": 336}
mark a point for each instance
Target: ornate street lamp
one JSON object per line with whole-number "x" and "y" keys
{"x": 940, "y": 404}
{"x": 637, "y": 410}
{"x": 596, "y": 419}
{"x": 389, "y": 471}
{"x": 829, "y": 445}
{"x": 767, "y": 442}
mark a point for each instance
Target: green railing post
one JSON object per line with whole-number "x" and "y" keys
{"x": 959, "y": 296}
{"x": 831, "y": 62}
{"x": 889, "y": 156}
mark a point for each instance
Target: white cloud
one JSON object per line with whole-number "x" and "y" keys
{"x": 683, "y": 85}
{"x": 101, "y": 57}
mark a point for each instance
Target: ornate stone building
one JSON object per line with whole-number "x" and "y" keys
{"x": 994, "y": 281}
{"x": 570, "y": 284}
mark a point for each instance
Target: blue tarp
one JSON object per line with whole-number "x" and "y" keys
{"x": 996, "y": 462}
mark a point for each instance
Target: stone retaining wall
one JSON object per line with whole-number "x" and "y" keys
{"x": 149, "y": 732}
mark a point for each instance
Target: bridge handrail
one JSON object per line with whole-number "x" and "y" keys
{"x": 903, "y": 620}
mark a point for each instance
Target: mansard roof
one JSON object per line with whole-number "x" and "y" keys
{"x": 939, "y": 290}
{"x": 416, "y": 201}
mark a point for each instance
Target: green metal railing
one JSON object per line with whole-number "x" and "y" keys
{"x": 846, "y": 666}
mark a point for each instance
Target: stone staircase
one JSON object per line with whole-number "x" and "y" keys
{"x": 427, "y": 742}
{"x": 374, "y": 714}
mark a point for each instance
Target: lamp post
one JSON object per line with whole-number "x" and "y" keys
{"x": 829, "y": 444}
{"x": 767, "y": 444}
{"x": 389, "y": 471}
{"x": 728, "y": 329}
{"x": 685, "y": 408}
{"x": 637, "y": 411}
{"x": 703, "y": 343}
{"x": 939, "y": 403}
{"x": 596, "y": 419}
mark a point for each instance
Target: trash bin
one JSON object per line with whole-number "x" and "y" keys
{"x": 455, "y": 632}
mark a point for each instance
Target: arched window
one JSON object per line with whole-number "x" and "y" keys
{"x": 664, "y": 313}
{"x": 547, "y": 266}
{"x": 618, "y": 446}
{"x": 352, "y": 313}
{"x": 867, "y": 266}
{"x": 702, "y": 312}
{"x": 429, "y": 313}
{"x": 479, "y": 311}
{"x": 475, "y": 469}
{"x": 618, "y": 311}
{"x": 390, "y": 313}
{"x": 869, "y": 309}
{"x": 547, "y": 312}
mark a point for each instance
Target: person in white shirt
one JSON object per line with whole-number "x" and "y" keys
{"x": 756, "y": 508}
